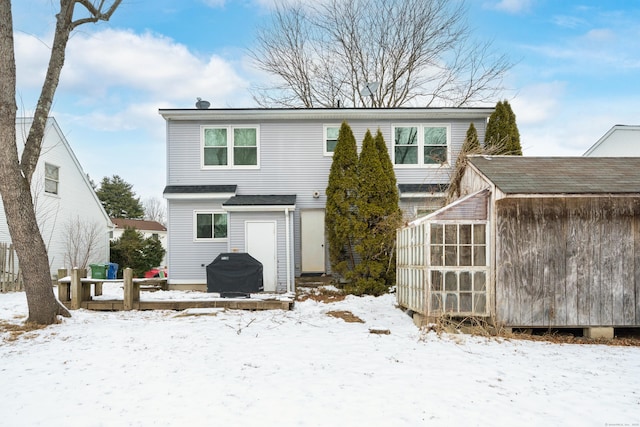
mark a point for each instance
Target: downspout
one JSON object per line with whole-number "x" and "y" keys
{"x": 287, "y": 249}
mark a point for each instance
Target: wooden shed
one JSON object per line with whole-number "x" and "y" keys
{"x": 532, "y": 243}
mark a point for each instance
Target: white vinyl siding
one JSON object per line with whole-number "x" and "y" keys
{"x": 293, "y": 160}
{"x": 64, "y": 198}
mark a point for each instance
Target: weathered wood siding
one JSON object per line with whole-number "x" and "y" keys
{"x": 568, "y": 261}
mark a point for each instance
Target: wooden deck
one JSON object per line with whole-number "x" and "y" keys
{"x": 227, "y": 303}
{"x": 74, "y": 292}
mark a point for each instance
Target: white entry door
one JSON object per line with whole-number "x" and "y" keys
{"x": 312, "y": 236}
{"x": 261, "y": 241}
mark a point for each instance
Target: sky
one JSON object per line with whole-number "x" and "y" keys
{"x": 303, "y": 367}
{"x": 575, "y": 74}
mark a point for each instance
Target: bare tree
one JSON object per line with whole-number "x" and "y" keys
{"x": 15, "y": 172}
{"x": 154, "y": 210}
{"x": 417, "y": 51}
{"x": 82, "y": 242}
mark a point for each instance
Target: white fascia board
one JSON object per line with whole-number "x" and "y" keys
{"x": 333, "y": 114}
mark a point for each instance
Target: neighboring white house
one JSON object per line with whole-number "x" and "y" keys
{"x": 619, "y": 141}
{"x": 254, "y": 180}
{"x": 147, "y": 228}
{"x": 66, "y": 204}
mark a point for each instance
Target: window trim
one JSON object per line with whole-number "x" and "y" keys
{"x": 211, "y": 212}
{"x": 46, "y": 178}
{"x": 230, "y": 141}
{"x": 420, "y": 143}
{"x": 326, "y": 152}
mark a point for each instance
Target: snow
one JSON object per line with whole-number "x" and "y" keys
{"x": 299, "y": 368}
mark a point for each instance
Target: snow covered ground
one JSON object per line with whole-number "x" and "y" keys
{"x": 300, "y": 368}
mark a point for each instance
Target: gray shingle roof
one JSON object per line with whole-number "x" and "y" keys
{"x": 261, "y": 200}
{"x": 561, "y": 175}
{"x": 192, "y": 189}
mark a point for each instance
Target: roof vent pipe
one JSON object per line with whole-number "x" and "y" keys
{"x": 202, "y": 105}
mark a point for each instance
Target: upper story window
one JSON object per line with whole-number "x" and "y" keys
{"x": 230, "y": 147}
{"x": 210, "y": 225}
{"x": 51, "y": 178}
{"x": 421, "y": 145}
{"x": 330, "y": 139}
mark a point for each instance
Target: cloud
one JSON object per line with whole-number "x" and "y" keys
{"x": 537, "y": 103}
{"x": 112, "y": 67}
{"x": 574, "y": 124}
{"x": 32, "y": 55}
{"x": 512, "y": 6}
{"x": 150, "y": 64}
{"x": 214, "y": 3}
{"x": 567, "y": 21}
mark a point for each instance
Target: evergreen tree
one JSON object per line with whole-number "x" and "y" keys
{"x": 514, "y": 148}
{"x": 385, "y": 161}
{"x": 341, "y": 197}
{"x": 502, "y": 131}
{"x": 394, "y": 214}
{"x": 471, "y": 145}
{"x": 471, "y": 142}
{"x": 134, "y": 251}
{"x": 118, "y": 198}
{"x": 377, "y": 213}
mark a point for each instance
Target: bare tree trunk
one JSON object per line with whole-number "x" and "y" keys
{"x": 15, "y": 175}
{"x": 16, "y": 193}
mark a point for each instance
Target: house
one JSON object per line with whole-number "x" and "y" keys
{"x": 66, "y": 205}
{"x": 254, "y": 180}
{"x": 619, "y": 141}
{"x": 532, "y": 243}
{"x": 147, "y": 228}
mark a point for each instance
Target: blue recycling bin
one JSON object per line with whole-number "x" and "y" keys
{"x": 112, "y": 271}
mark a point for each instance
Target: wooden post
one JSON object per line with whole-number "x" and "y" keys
{"x": 64, "y": 289}
{"x": 97, "y": 289}
{"x": 86, "y": 287}
{"x": 131, "y": 290}
{"x": 76, "y": 288}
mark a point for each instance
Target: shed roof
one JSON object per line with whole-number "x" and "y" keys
{"x": 261, "y": 200}
{"x": 138, "y": 224}
{"x": 560, "y": 175}
{"x": 196, "y": 189}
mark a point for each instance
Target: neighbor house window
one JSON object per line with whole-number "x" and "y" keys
{"x": 51, "y": 178}
{"x": 420, "y": 145}
{"x": 210, "y": 225}
{"x": 330, "y": 139}
{"x": 230, "y": 146}
{"x": 458, "y": 268}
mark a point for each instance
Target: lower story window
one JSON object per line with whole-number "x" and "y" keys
{"x": 211, "y": 225}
